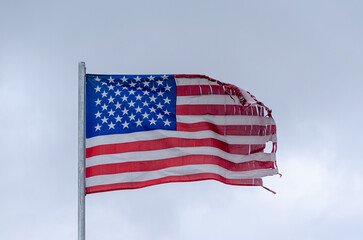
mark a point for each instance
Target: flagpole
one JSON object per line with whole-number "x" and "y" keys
{"x": 81, "y": 151}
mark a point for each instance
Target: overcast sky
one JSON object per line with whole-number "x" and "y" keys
{"x": 303, "y": 59}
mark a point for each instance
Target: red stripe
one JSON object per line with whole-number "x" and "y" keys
{"x": 214, "y": 109}
{"x": 194, "y": 76}
{"x": 197, "y": 90}
{"x": 141, "y": 166}
{"x": 239, "y": 130}
{"x": 274, "y": 147}
{"x": 185, "y": 178}
{"x": 165, "y": 143}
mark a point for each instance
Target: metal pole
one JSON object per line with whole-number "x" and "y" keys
{"x": 81, "y": 151}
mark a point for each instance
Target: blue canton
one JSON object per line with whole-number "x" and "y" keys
{"x": 117, "y": 104}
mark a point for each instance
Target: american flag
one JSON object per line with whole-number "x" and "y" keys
{"x": 143, "y": 130}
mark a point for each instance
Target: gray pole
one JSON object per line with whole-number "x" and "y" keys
{"x": 81, "y": 151}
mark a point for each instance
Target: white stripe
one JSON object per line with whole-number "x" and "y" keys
{"x": 160, "y": 134}
{"x": 176, "y": 152}
{"x": 226, "y": 120}
{"x": 208, "y": 99}
{"x": 194, "y": 81}
{"x": 176, "y": 171}
{"x": 247, "y": 96}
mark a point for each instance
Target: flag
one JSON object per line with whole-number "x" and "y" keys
{"x": 143, "y": 130}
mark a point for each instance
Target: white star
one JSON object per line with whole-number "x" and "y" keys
{"x": 98, "y": 79}
{"x": 104, "y": 119}
{"x": 166, "y": 122}
{"x": 160, "y": 116}
{"x": 137, "y": 79}
{"x": 117, "y": 92}
{"x": 110, "y": 87}
{"x": 167, "y": 100}
{"x": 152, "y": 109}
{"x": 164, "y": 77}
{"x": 159, "y": 82}
{"x": 125, "y": 124}
{"x": 104, "y": 107}
{"x": 125, "y": 111}
{"x": 98, "y": 101}
{"x": 104, "y": 94}
{"x": 138, "y": 109}
{"x": 152, "y": 121}
{"x": 145, "y": 115}
{"x": 124, "y": 79}
{"x": 111, "y": 79}
{"x": 118, "y": 105}
{"x": 98, "y": 114}
{"x": 146, "y": 83}
{"x": 138, "y": 97}
{"x": 131, "y": 104}
{"x": 111, "y": 112}
{"x": 153, "y": 89}
{"x": 160, "y": 93}
{"x": 146, "y": 92}
{"x": 118, "y": 118}
{"x": 111, "y": 125}
{"x": 160, "y": 105}
{"x": 132, "y": 116}
{"x": 151, "y": 78}
{"x": 103, "y": 83}
{"x": 98, "y": 127}
{"x": 110, "y": 99}
{"x": 124, "y": 98}
{"x": 118, "y": 84}
{"x": 166, "y": 112}
{"x": 98, "y": 89}
{"x": 145, "y": 103}
{"x": 167, "y": 88}
{"x": 124, "y": 88}
{"x": 132, "y": 84}
{"x": 132, "y": 92}
{"x": 152, "y": 99}
{"x": 139, "y": 88}
{"x": 138, "y": 122}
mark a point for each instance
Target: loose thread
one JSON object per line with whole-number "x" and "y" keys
{"x": 269, "y": 190}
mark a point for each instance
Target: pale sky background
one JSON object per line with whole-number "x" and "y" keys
{"x": 303, "y": 59}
